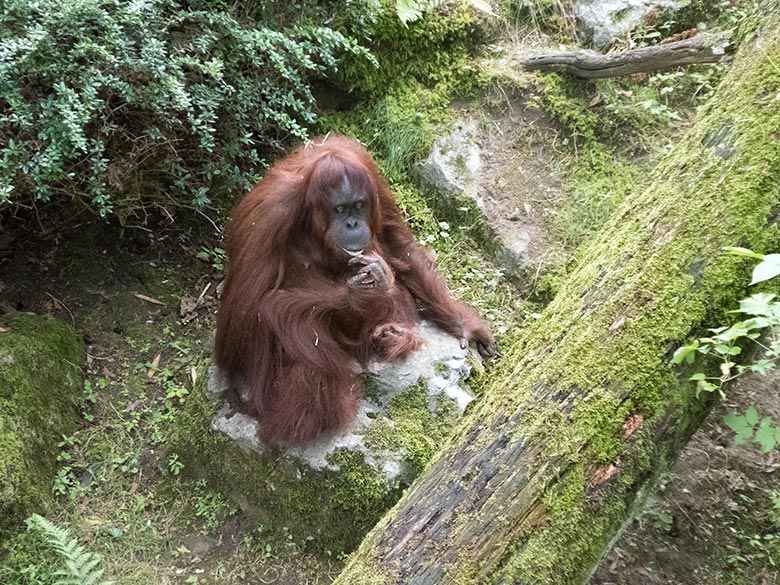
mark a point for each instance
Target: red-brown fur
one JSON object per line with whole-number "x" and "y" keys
{"x": 289, "y": 327}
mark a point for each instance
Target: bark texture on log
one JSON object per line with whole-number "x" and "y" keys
{"x": 586, "y": 410}
{"x": 702, "y": 48}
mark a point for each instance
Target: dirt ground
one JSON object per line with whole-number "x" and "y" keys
{"x": 715, "y": 518}
{"x": 144, "y": 303}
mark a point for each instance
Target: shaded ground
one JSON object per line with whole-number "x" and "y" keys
{"x": 144, "y": 303}
{"x": 716, "y": 517}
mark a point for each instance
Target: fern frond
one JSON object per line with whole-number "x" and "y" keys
{"x": 79, "y": 566}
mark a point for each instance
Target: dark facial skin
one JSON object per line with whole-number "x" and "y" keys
{"x": 349, "y": 218}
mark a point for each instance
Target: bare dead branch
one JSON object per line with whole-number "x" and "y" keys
{"x": 703, "y": 48}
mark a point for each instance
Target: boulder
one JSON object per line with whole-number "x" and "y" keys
{"x": 40, "y": 376}
{"x": 336, "y": 488}
{"x": 486, "y": 168}
{"x": 600, "y": 21}
{"x": 453, "y": 167}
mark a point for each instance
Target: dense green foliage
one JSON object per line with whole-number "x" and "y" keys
{"x": 113, "y": 102}
{"x": 762, "y": 329}
{"x": 433, "y": 50}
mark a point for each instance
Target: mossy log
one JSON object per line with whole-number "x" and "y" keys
{"x": 586, "y": 410}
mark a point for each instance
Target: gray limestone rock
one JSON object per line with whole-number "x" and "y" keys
{"x": 441, "y": 363}
{"x": 601, "y": 21}
{"x": 453, "y": 167}
{"x": 458, "y": 166}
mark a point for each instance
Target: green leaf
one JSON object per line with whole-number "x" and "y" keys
{"x": 408, "y": 10}
{"x": 766, "y": 269}
{"x": 751, "y": 416}
{"x": 737, "y": 423}
{"x": 756, "y": 323}
{"x": 765, "y": 436}
{"x": 743, "y": 252}
{"x": 704, "y": 386}
{"x": 757, "y": 304}
{"x": 761, "y": 366}
{"x": 686, "y": 353}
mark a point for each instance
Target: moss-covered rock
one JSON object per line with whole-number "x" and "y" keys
{"x": 39, "y": 377}
{"x": 335, "y": 489}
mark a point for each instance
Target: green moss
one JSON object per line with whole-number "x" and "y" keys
{"x": 39, "y": 380}
{"x": 578, "y": 525}
{"x": 601, "y": 417}
{"x": 370, "y": 388}
{"x": 369, "y": 572}
{"x": 419, "y": 431}
{"x": 335, "y": 506}
{"x": 567, "y": 493}
{"x": 381, "y": 436}
{"x": 433, "y": 50}
{"x": 600, "y": 351}
{"x": 399, "y": 127}
{"x": 359, "y": 489}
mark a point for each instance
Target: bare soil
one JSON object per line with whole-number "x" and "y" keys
{"x": 519, "y": 182}
{"x": 715, "y": 518}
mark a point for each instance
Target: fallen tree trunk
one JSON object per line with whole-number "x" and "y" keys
{"x": 587, "y": 410}
{"x": 703, "y": 48}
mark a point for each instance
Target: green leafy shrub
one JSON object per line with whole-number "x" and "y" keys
{"x": 120, "y": 103}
